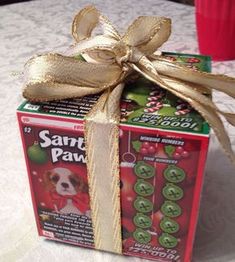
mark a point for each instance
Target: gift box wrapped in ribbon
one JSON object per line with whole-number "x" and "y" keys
{"x": 115, "y": 136}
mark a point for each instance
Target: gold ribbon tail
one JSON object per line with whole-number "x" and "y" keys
{"x": 197, "y": 100}
{"x": 102, "y": 140}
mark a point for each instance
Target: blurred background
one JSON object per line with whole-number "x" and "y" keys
{"x": 5, "y": 2}
{"x": 188, "y": 2}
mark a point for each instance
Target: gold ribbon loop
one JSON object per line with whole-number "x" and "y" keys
{"x": 87, "y": 20}
{"x": 53, "y": 76}
{"x": 84, "y": 23}
{"x": 148, "y": 33}
{"x": 111, "y": 58}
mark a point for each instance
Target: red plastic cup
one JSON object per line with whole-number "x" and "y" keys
{"x": 216, "y": 28}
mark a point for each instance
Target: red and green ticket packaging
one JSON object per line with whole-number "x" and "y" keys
{"x": 163, "y": 148}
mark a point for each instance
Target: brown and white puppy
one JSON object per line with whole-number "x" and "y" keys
{"x": 62, "y": 182}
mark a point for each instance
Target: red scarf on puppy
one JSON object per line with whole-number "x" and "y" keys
{"x": 80, "y": 201}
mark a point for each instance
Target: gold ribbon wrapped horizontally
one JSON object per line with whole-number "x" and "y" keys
{"x": 110, "y": 60}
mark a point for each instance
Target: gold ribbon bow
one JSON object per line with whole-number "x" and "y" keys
{"x": 111, "y": 58}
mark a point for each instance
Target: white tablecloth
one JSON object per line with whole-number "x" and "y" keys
{"x": 40, "y": 26}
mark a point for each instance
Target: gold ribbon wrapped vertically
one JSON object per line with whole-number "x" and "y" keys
{"x": 111, "y": 58}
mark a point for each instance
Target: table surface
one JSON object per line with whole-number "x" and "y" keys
{"x": 41, "y": 26}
